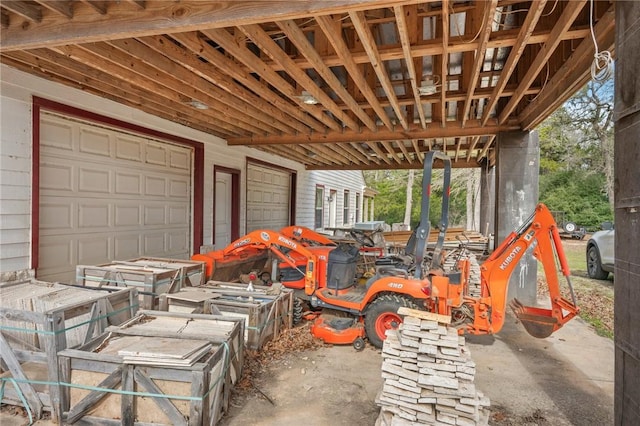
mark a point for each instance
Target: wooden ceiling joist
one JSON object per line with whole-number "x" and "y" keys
{"x": 500, "y": 66}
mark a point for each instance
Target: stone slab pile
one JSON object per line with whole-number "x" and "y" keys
{"x": 428, "y": 375}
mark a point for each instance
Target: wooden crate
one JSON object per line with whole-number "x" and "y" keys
{"x": 150, "y": 277}
{"x": 192, "y": 272}
{"x": 265, "y": 315}
{"x": 38, "y": 319}
{"x": 100, "y": 388}
{"x": 222, "y": 331}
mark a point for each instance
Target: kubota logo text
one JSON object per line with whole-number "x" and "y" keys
{"x": 288, "y": 242}
{"x": 242, "y": 242}
{"x": 510, "y": 258}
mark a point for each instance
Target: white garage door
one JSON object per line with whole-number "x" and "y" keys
{"x": 109, "y": 195}
{"x": 268, "y": 197}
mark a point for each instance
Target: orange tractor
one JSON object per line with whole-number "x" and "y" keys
{"x": 324, "y": 274}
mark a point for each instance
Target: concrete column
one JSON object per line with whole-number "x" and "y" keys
{"x": 371, "y": 209}
{"x": 517, "y": 168}
{"x": 487, "y": 200}
{"x": 627, "y": 214}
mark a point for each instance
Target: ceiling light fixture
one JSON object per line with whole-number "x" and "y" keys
{"x": 429, "y": 85}
{"x": 308, "y": 98}
{"x": 197, "y": 104}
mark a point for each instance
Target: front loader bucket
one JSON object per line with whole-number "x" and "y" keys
{"x": 538, "y": 322}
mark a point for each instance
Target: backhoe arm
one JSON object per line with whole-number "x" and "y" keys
{"x": 540, "y": 233}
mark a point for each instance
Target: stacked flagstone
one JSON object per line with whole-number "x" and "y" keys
{"x": 428, "y": 375}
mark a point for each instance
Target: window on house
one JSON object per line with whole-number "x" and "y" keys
{"x": 345, "y": 208}
{"x": 319, "y": 214}
{"x": 358, "y": 207}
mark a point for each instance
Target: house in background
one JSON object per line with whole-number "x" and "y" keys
{"x": 86, "y": 181}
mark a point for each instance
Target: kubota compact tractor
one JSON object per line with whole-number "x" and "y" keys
{"x": 325, "y": 273}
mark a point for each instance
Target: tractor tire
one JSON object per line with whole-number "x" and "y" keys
{"x": 382, "y": 315}
{"x": 298, "y": 309}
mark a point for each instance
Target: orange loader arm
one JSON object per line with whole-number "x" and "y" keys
{"x": 261, "y": 240}
{"x": 541, "y": 232}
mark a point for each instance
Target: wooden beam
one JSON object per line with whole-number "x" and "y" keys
{"x": 164, "y": 17}
{"x": 175, "y": 77}
{"x": 509, "y": 66}
{"x": 434, "y": 47}
{"x": 487, "y": 24}
{"x": 452, "y": 130}
{"x": 28, "y": 11}
{"x": 403, "y": 32}
{"x": 192, "y": 63}
{"x": 98, "y": 6}
{"x": 64, "y": 8}
{"x": 297, "y": 37}
{"x": 564, "y": 23}
{"x": 444, "y": 62}
{"x": 140, "y": 3}
{"x": 262, "y": 40}
{"x": 370, "y": 46}
{"x": 329, "y": 27}
{"x": 201, "y": 48}
{"x": 576, "y": 69}
{"x": 72, "y": 74}
{"x": 243, "y": 54}
{"x": 105, "y": 58}
{"x": 4, "y": 19}
{"x": 460, "y": 164}
{"x": 472, "y": 146}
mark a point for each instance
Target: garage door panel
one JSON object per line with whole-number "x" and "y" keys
{"x": 155, "y": 186}
{"x": 156, "y": 155}
{"x": 127, "y": 246}
{"x": 268, "y": 195}
{"x": 94, "y": 180}
{"x": 127, "y": 183}
{"x": 178, "y": 241}
{"x": 57, "y": 216}
{"x": 154, "y": 243}
{"x": 94, "y": 141}
{"x": 178, "y": 215}
{"x": 107, "y": 195}
{"x": 154, "y": 215}
{"x": 179, "y": 160}
{"x": 129, "y": 149}
{"x": 127, "y": 215}
{"x": 179, "y": 188}
{"x": 94, "y": 249}
{"x": 56, "y": 176}
{"x": 56, "y": 134}
{"x": 56, "y": 255}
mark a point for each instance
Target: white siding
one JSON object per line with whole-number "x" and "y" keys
{"x": 15, "y": 182}
{"x": 338, "y": 180}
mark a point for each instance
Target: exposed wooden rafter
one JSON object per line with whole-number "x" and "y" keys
{"x": 498, "y": 66}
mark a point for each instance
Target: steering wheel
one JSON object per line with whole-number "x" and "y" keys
{"x": 362, "y": 238}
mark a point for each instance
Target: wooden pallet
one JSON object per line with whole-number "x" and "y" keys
{"x": 37, "y": 320}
